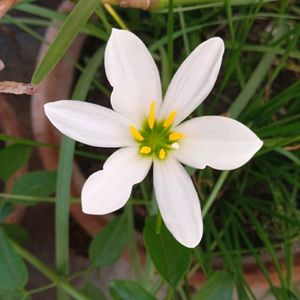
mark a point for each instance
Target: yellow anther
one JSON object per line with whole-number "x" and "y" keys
{"x": 135, "y": 133}
{"x": 169, "y": 120}
{"x": 174, "y": 136}
{"x": 151, "y": 117}
{"x": 145, "y": 150}
{"x": 162, "y": 154}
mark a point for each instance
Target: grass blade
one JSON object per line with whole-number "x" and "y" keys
{"x": 65, "y": 172}
{"x": 68, "y": 32}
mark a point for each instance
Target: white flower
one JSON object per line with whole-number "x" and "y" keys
{"x": 149, "y": 130}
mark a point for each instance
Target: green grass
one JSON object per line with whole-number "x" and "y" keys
{"x": 249, "y": 211}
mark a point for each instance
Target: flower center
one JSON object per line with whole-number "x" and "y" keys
{"x": 156, "y": 138}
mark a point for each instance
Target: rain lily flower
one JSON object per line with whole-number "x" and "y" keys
{"x": 151, "y": 131}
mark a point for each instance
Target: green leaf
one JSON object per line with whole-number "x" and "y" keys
{"x": 128, "y": 290}
{"x": 219, "y": 286}
{"x": 68, "y": 32}
{"x": 108, "y": 245}
{"x": 254, "y": 81}
{"x": 16, "y": 232}
{"x": 59, "y": 17}
{"x": 12, "y": 158}
{"x": 170, "y": 258}
{"x": 5, "y": 209}
{"x": 13, "y": 272}
{"x": 283, "y": 293}
{"x": 64, "y": 173}
{"x": 93, "y": 292}
{"x": 38, "y": 184}
{"x": 15, "y": 295}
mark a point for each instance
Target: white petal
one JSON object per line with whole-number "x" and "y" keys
{"x": 133, "y": 74}
{"x": 193, "y": 80}
{"x": 89, "y": 123}
{"x": 215, "y": 141}
{"x": 178, "y": 202}
{"x": 109, "y": 189}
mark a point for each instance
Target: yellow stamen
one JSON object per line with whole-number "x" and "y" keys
{"x": 174, "y": 136}
{"x": 162, "y": 154}
{"x": 169, "y": 120}
{"x": 135, "y": 133}
{"x": 151, "y": 117}
{"x": 145, "y": 150}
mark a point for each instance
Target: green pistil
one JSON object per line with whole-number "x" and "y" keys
{"x": 157, "y": 138}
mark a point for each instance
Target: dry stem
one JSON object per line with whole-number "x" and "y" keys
{"x": 140, "y": 4}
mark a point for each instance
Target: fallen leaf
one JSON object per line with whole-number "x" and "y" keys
{"x": 17, "y": 88}
{"x": 5, "y": 5}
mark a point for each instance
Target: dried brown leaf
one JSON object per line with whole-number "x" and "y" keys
{"x": 5, "y": 5}
{"x": 292, "y": 148}
{"x": 17, "y": 88}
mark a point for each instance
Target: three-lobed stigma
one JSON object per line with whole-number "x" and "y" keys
{"x": 156, "y": 138}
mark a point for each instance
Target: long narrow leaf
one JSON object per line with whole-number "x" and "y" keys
{"x": 65, "y": 171}
{"x": 68, "y": 32}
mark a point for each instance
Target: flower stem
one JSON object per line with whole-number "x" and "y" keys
{"x": 115, "y": 16}
{"x": 41, "y": 289}
{"x": 25, "y": 199}
{"x": 134, "y": 253}
{"x": 49, "y": 273}
{"x": 62, "y": 209}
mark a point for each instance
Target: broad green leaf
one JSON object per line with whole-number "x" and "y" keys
{"x": 12, "y": 158}
{"x": 68, "y": 32}
{"x": 15, "y": 232}
{"x": 128, "y": 290}
{"x": 5, "y": 209}
{"x": 108, "y": 245}
{"x": 219, "y": 286}
{"x": 13, "y": 272}
{"x": 13, "y": 295}
{"x": 38, "y": 183}
{"x": 92, "y": 292}
{"x": 170, "y": 258}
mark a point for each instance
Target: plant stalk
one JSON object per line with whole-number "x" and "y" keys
{"x": 48, "y": 272}
{"x": 65, "y": 173}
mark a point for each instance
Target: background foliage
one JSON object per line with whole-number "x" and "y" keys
{"x": 250, "y": 211}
